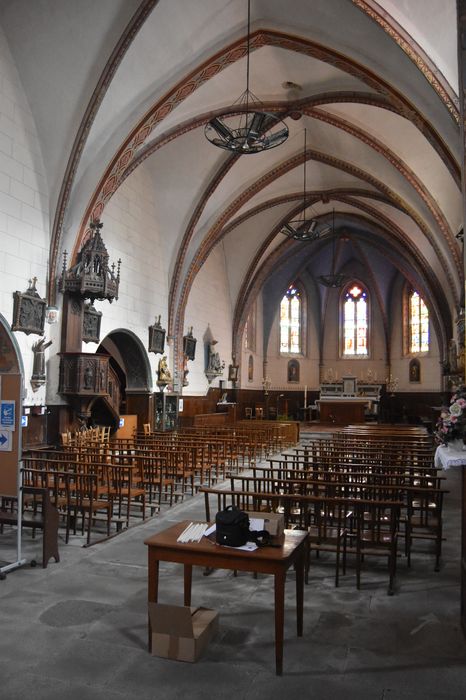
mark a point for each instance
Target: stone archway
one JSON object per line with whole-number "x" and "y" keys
{"x": 132, "y": 371}
{"x": 11, "y": 378}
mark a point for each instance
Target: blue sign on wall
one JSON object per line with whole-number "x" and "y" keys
{"x": 7, "y": 414}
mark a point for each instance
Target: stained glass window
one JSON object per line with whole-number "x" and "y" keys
{"x": 290, "y": 321}
{"x": 250, "y": 330}
{"x": 355, "y": 322}
{"x": 418, "y": 324}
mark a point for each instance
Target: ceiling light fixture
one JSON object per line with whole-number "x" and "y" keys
{"x": 246, "y": 128}
{"x": 300, "y": 229}
{"x": 333, "y": 279}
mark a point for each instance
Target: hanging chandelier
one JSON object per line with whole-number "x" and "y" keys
{"x": 333, "y": 279}
{"x": 246, "y": 128}
{"x": 300, "y": 229}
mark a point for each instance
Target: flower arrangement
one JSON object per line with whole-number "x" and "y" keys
{"x": 452, "y": 422}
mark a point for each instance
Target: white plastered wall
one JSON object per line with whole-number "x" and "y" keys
{"x": 332, "y": 360}
{"x": 130, "y": 232}
{"x": 277, "y": 365}
{"x": 430, "y": 363}
{"x": 209, "y": 306}
{"x": 24, "y": 216}
{"x": 257, "y": 354}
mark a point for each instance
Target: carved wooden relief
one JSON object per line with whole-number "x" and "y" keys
{"x": 29, "y": 310}
{"x": 91, "y": 324}
{"x": 83, "y": 374}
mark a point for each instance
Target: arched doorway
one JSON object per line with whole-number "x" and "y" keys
{"x": 130, "y": 380}
{"x": 11, "y": 373}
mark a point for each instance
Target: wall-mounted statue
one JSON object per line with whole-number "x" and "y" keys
{"x": 163, "y": 374}
{"x": 214, "y": 363}
{"x": 452, "y": 356}
{"x": 215, "y": 366}
{"x": 38, "y": 365}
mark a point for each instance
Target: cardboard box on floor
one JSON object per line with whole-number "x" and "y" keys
{"x": 274, "y": 523}
{"x": 179, "y": 632}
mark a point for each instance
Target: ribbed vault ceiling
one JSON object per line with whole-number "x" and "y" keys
{"x": 132, "y": 84}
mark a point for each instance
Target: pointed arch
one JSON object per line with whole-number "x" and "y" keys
{"x": 292, "y": 320}
{"x": 416, "y": 323}
{"x": 354, "y": 327}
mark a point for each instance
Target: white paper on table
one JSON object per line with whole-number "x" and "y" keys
{"x": 256, "y": 524}
{"x": 248, "y": 547}
{"x": 209, "y": 530}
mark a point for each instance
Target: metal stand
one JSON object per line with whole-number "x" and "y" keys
{"x": 20, "y": 561}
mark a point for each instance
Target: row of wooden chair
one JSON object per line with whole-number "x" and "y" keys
{"x": 401, "y": 464}
{"x": 92, "y": 480}
{"x": 421, "y": 499}
{"x": 102, "y": 492}
{"x": 99, "y": 435}
{"x": 341, "y": 525}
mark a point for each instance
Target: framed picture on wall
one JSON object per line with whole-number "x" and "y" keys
{"x": 156, "y": 337}
{"x": 189, "y": 345}
{"x": 29, "y": 311}
{"x": 233, "y": 373}
{"x": 349, "y": 386}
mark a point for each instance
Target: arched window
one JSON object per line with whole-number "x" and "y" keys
{"x": 290, "y": 322}
{"x": 418, "y": 323}
{"x": 250, "y": 368}
{"x": 250, "y": 330}
{"x": 355, "y": 321}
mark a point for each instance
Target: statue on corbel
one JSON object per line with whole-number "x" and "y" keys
{"x": 38, "y": 366}
{"x": 164, "y": 376}
{"x": 215, "y": 366}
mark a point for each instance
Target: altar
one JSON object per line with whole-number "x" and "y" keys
{"x": 348, "y": 401}
{"x": 342, "y": 410}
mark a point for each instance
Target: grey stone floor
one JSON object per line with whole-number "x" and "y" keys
{"x": 78, "y": 629}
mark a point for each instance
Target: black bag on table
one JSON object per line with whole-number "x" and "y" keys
{"x": 232, "y": 529}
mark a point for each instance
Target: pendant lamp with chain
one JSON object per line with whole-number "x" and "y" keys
{"x": 247, "y": 127}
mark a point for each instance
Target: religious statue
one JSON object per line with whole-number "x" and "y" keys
{"x": 461, "y": 357}
{"x": 38, "y": 366}
{"x": 164, "y": 374}
{"x": 452, "y": 356}
{"x": 89, "y": 376}
{"x": 214, "y": 363}
{"x": 215, "y": 366}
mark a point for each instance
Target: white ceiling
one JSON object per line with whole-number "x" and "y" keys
{"x": 377, "y": 91}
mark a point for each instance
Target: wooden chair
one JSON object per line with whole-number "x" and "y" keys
{"x": 126, "y": 489}
{"x": 84, "y": 502}
{"x": 375, "y": 533}
{"x": 424, "y": 520}
{"x": 329, "y": 523}
{"x": 156, "y": 479}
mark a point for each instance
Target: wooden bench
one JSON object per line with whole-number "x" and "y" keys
{"x": 40, "y": 514}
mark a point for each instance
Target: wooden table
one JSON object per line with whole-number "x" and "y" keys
{"x": 268, "y": 560}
